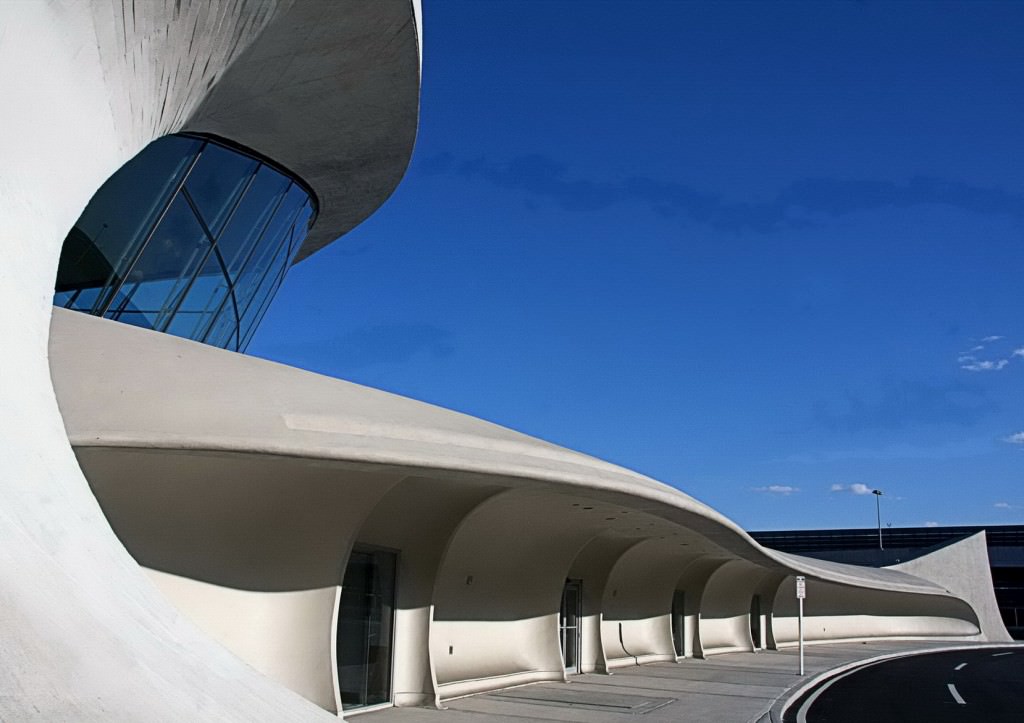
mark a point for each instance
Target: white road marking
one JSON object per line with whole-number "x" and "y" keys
{"x": 956, "y": 694}
{"x": 960, "y": 667}
{"x": 996, "y": 655}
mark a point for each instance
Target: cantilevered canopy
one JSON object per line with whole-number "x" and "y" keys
{"x": 121, "y": 388}
{"x": 341, "y": 113}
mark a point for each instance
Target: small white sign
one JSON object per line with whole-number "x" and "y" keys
{"x": 801, "y": 588}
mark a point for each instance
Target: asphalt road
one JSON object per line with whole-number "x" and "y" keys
{"x": 974, "y": 685}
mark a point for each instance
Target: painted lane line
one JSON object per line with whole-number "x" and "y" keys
{"x": 960, "y": 667}
{"x": 956, "y": 694}
{"x": 996, "y": 655}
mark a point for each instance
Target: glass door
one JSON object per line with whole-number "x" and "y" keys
{"x": 366, "y": 628}
{"x": 569, "y": 625}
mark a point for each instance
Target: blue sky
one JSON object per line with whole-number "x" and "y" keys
{"x": 768, "y": 253}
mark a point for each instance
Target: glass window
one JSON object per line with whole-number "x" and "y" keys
{"x": 173, "y": 255}
{"x": 120, "y": 216}
{"x": 190, "y": 237}
{"x": 365, "y": 628}
{"x": 217, "y": 182}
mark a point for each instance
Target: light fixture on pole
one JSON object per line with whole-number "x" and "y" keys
{"x": 878, "y": 513}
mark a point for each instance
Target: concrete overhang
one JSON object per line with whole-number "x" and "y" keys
{"x": 330, "y": 91}
{"x": 120, "y": 387}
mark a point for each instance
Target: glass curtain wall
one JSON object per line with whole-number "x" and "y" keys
{"x": 190, "y": 237}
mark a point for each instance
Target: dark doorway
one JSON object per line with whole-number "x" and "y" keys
{"x": 755, "y": 620}
{"x": 679, "y": 622}
{"x": 569, "y": 625}
{"x": 366, "y": 628}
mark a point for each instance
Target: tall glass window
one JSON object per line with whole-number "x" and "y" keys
{"x": 366, "y": 628}
{"x": 190, "y": 237}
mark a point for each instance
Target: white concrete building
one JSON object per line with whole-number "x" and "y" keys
{"x": 191, "y": 533}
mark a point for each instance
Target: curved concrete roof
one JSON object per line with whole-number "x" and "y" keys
{"x": 122, "y": 387}
{"x": 339, "y": 110}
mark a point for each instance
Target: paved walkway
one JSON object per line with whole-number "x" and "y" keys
{"x": 734, "y": 688}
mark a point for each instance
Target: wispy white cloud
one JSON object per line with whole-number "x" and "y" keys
{"x": 985, "y": 366}
{"x": 931, "y": 523}
{"x": 1017, "y": 438}
{"x": 1007, "y": 506}
{"x": 778, "y": 489}
{"x": 856, "y": 488}
{"x": 969, "y": 360}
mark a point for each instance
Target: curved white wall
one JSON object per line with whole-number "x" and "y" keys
{"x": 499, "y": 589}
{"x": 592, "y": 567}
{"x": 839, "y": 612}
{"x": 417, "y": 518}
{"x": 66, "y": 131}
{"x": 637, "y": 625}
{"x": 725, "y": 607}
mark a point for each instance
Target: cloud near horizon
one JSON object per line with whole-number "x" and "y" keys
{"x": 777, "y": 489}
{"x": 856, "y": 488}
{"x": 1016, "y": 438}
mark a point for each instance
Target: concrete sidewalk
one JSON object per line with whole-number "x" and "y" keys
{"x": 733, "y": 688}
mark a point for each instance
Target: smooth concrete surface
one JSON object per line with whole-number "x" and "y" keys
{"x": 250, "y": 482}
{"x": 729, "y": 688}
{"x": 964, "y": 569}
{"x": 341, "y": 114}
{"x": 636, "y": 626}
{"x": 122, "y": 387}
{"x": 86, "y": 85}
{"x": 592, "y": 567}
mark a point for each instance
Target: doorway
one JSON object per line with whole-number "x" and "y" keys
{"x": 569, "y": 625}
{"x": 755, "y": 621}
{"x": 679, "y": 622}
{"x": 366, "y": 628}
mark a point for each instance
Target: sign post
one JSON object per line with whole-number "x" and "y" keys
{"x": 801, "y": 593}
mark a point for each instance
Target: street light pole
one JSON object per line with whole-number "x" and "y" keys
{"x": 878, "y": 513}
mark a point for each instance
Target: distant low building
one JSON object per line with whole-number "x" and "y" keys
{"x": 860, "y": 547}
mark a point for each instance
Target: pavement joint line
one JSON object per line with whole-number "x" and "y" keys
{"x": 956, "y": 694}
{"x": 784, "y": 701}
{"x": 997, "y": 655}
